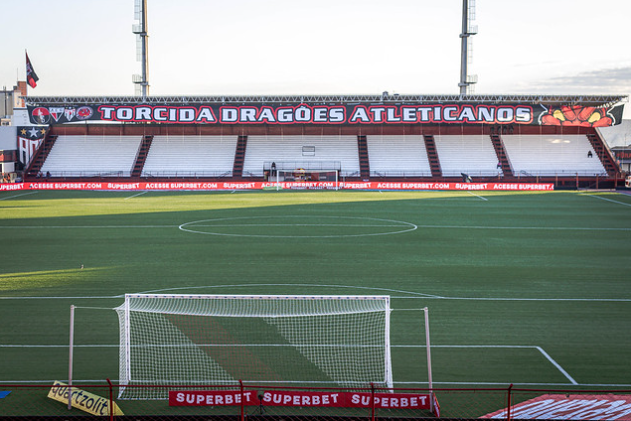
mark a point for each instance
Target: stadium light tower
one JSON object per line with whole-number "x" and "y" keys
{"x": 466, "y": 52}
{"x": 142, "y": 44}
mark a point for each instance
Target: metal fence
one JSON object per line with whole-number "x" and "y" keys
{"x": 240, "y": 402}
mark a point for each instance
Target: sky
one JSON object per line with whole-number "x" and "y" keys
{"x": 282, "y": 47}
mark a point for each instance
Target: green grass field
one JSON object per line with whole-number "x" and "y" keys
{"x": 531, "y": 288}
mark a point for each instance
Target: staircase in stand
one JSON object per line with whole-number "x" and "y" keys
{"x": 603, "y": 153}
{"x": 40, "y": 155}
{"x": 502, "y": 158}
{"x": 239, "y": 156}
{"x": 364, "y": 161}
{"x": 432, "y": 155}
{"x": 141, "y": 157}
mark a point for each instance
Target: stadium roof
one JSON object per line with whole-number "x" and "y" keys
{"x": 585, "y": 100}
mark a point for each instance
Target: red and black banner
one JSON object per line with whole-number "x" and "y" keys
{"x": 31, "y": 76}
{"x": 29, "y": 139}
{"x": 348, "y": 114}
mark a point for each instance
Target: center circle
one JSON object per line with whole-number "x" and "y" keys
{"x": 298, "y": 226}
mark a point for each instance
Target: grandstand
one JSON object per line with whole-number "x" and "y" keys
{"x": 398, "y": 156}
{"x": 413, "y": 138}
{"x": 91, "y": 156}
{"x": 190, "y": 156}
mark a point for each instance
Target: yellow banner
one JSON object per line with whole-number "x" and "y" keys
{"x": 85, "y": 401}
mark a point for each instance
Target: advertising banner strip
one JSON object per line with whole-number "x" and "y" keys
{"x": 570, "y": 407}
{"x": 212, "y": 398}
{"x": 259, "y": 185}
{"x": 85, "y": 401}
{"x": 319, "y": 114}
{"x": 300, "y": 399}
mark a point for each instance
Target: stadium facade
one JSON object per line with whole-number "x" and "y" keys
{"x": 364, "y": 138}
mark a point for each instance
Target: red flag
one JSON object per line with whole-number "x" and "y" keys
{"x": 31, "y": 76}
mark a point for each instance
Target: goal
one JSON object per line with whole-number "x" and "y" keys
{"x": 271, "y": 339}
{"x": 301, "y": 178}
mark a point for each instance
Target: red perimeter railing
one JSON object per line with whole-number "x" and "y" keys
{"x": 238, "y": 402}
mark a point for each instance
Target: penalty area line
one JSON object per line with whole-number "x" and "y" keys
{"x": 557, "y": 365}
{"x": 605, "y": 199}
{"x": 137, "y": 194}
{"x": 19, "y": 195}
{"x": 478, "y": 196}
{"x": 538, "y": 348}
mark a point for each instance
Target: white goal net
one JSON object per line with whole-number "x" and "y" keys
{"x": 301, "y": 178}
{"x": 264, "y": 339}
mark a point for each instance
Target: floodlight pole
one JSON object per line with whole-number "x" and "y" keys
{"x": 140, "y": 29}
{"x": 467, "y": 31}
{"x": 145, "y": 58}
{"x": 70, "y": 356}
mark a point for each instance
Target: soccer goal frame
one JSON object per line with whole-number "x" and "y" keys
{"x": 342, "y": 341}
{"x": 301, "y": 178}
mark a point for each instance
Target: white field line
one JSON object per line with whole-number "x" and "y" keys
{"x": 85, "y": 226}
{"x": 304, "y": 225}
{"x": 479, "y": 197}
{"x": 591, "y": 385}
{"x": 411, "y": 294}
{"x": 475, "y": 227}
{"x": 554, "y": 363}
{"x": 525, "y": 228}
{"x": 472, "y": 384}
{"x": 137, "y": 194}
{"x": 605, "y": 199}
{"x": 591, "y": 300}
{"x": 19, "y": 195}
{"x": 538, "y": 348}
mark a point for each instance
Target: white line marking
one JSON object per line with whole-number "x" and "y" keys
{"x": 538, "y": 348}
{"x": 502, "y": 384}
{"x": 136, "y": 195}
{"x": 18, "y": 195}
{"x": 86, "y": 226}
{"x": 267, "y": 345}
{"x": 59, "y": 346}
{"x": 525, "y": 228}
{"x": 613, "y": 300}
{"x": 418, "y": 294}
{"x": 604, "y": 198}
{"x": 301, "y": 225}
{"x": 554, "y": 363}
{"x": 402, "y": 226}
{"x": 479, "y": 197}
{"x": 411, "y": 294}
{"x": 594, "y": 385}
{"x": 63, "y": 298}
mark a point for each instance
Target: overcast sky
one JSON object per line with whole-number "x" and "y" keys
{"x": 259, "y": 47}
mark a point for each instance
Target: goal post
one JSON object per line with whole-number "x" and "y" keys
{"x": 305, "y": 174}
{"x": 307, "y": 179}
{"x": 292, "y": 340}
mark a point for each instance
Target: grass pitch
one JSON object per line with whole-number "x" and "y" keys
{"x": 525, "y": 288}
